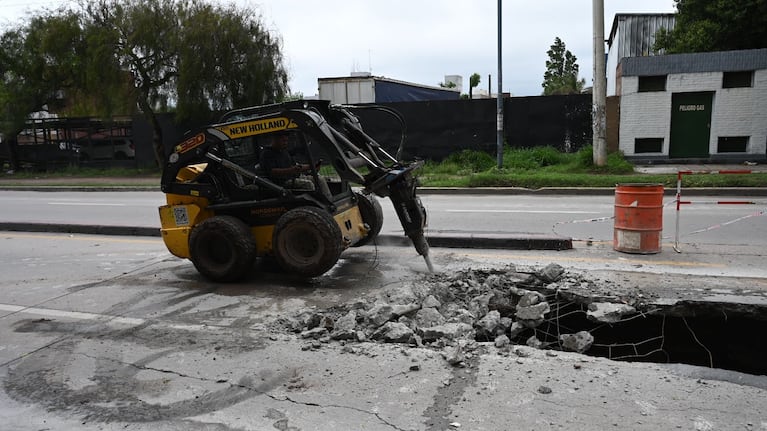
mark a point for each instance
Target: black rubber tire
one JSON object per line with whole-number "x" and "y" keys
{"x": 307, "y": 241}
{"x": 222, "y": 248}
{"x": 372, "y": 215}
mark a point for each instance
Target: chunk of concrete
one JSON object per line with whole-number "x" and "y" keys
{"x": 533, "y": 312}
{"x": 578, "y": 342}
{"x": 502, "y": 341}
{"x": 450, "y": 331}
{"x": 530, "y": 298}
{"x": 431, "y": 302}
{"x": 551, "y": 273}
{"x": 490, "y": 323}
{"x": 345, "y": 327}
{"x": 315, "y": 333}
{"x": 608, "y": 312}
{"x": 534, "y": 342}
{"x": 404, "y": 309}
{"x": 393, "y": 332}
{"x": 380, "y": 314}
{"x": 427, "y": 317}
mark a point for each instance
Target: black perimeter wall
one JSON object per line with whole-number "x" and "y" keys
{"x": 436, "y": 129}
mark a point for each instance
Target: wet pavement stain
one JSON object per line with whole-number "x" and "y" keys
{"x": 450, "y": 393}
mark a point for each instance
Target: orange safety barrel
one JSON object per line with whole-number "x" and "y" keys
{"x": 638, "y": 218}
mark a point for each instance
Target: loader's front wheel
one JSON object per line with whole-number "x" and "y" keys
{"x": 372, "y": 215}
{"x": 222, "y": 248}
{"x": 307, "y": 241}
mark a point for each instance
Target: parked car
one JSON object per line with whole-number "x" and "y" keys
{"x": 118, "y": 149}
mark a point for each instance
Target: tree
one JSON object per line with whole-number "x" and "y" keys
{"x": 706, "y": 25}
{"x": 157, "y": 55}
{"x": 473, "y": 82}
{"x": 38, "y": 62}
{"x": 561, "y": 75}
{"x": 191, "y": 56}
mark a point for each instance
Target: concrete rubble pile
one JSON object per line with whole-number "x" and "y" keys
{"x": 454, "y": 310}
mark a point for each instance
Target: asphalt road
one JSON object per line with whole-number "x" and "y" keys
{"x": 109, "y": 333}
{"x": 581, "y": 217}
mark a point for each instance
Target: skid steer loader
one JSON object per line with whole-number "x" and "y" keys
{"x": 223, "y": 210}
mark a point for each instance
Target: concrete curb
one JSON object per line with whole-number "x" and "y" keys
{"x": 69, "y": 188}
{"x": 80, "y": 228}
{"x": 593, "y": 191}
{"x": 520, "y": 241}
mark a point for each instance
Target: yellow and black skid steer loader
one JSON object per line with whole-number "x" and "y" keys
{"x": 224, "y": 210}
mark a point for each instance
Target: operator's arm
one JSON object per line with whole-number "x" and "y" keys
{"x": 279, "y": 164}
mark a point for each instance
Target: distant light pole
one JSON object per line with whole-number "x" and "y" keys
{"x": 598, "y": 115}
{"x": 499, "y": 125}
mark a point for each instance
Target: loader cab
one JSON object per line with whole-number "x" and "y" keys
{"x": 248, "y": 153}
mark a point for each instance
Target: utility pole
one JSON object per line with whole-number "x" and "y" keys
{"x": 499, "y": 125}
{"x": 598, "y": 115}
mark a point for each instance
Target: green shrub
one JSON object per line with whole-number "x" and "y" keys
{"x": 532, "y": 158}
{"x": 547, "y": 156}
{"x": 470, "y": 160}
{"x": 585, "y": 157}
{"x": 616, "y": 163}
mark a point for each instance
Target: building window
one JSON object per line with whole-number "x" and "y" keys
{"x": 738, "y": 79}
{"x": 652, "y": 83}
{"x": 648, "y": 145}
{"x": 732, "y": 144}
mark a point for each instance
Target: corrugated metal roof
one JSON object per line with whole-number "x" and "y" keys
{"x": 722, "y": 61}
{"x": 635, "y": 33}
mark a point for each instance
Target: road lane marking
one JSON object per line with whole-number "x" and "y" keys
{"x": 105, "y": 318}
{"x": 519, "y": 211}
{"x": 95, "y": 204}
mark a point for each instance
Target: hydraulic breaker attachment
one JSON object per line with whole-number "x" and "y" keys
{"x": 410, "y": 210}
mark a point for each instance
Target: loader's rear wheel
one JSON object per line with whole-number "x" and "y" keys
{"x": 222, "y": 248}
{"x": 372, "y": 215}
{"x": 307, "y": 241}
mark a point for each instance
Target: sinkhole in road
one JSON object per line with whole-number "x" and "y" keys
{"x": 715, "y": 335}
{"x": 551, "y": 308}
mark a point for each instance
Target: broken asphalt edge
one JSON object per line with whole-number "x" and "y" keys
{"x": 495, "y": 241}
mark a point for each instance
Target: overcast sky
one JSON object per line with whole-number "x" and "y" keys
{"x": 421, "y": 41}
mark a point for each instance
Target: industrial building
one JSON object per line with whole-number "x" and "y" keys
{"x": 362, "y": 87}
{"x": 703, "y": 106}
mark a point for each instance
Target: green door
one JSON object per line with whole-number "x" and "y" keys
{"x": 690, "y": 125}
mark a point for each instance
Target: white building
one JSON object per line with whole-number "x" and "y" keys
{"x": 632, "y": 35}
{"x": 703, "y": 106}
{"x": 365, "y": 88}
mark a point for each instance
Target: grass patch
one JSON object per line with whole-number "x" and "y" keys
{"x": 546, "y": 167}
{"x": 526, "y": 168}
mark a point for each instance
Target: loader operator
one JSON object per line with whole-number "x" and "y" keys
{"x": 280, "y": 167}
